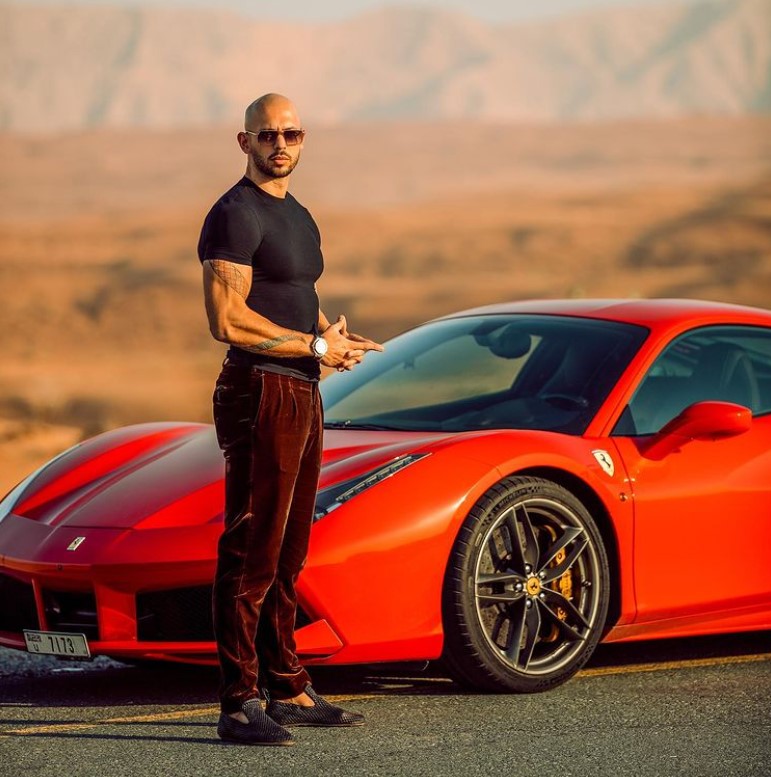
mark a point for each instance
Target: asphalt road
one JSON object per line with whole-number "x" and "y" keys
{"x": 686, "y": 707}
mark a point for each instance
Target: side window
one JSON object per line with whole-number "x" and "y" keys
{"x": 731, "y": 364}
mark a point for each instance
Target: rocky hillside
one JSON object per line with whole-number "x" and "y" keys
{"x": 76, "y": 67}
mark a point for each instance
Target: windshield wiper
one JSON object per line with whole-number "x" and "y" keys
{"x": 356, "y": 425}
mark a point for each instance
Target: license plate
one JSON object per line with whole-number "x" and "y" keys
{"x": 57, "y": 643}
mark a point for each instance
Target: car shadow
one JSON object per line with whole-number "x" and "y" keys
{"x": 46, "y": 682}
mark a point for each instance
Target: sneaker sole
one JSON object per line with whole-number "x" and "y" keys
{"x": 255, "y": 743}
{"x": 324, "y": 725}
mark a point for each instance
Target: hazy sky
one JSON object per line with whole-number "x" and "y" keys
{"x": 312, "y": 10}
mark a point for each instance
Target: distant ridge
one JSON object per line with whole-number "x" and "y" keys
{"x": 78, "y": 67}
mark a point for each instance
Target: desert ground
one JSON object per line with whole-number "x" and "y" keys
{"x": 100, "y": 293}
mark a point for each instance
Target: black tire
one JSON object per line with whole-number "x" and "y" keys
{"x": 524, "y": 616}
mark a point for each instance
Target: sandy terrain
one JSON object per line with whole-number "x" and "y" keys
{"x": 100, "y": 300}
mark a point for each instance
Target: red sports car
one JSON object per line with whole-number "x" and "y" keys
{"x": 502, "y": 488}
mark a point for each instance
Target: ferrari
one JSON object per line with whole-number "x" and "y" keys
{"x": 502, "y": 489}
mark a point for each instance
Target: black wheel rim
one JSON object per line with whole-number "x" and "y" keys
{"x": 537, "y": 586}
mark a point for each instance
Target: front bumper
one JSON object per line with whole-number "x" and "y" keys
{"x": 124, "y": 593}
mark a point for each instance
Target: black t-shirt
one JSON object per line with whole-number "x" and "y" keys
{"x": 279, "y": 239}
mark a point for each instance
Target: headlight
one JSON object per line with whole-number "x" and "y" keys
{"x": 331, "y": 498}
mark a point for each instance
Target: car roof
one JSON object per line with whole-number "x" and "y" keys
{"x": 651, "y": 313}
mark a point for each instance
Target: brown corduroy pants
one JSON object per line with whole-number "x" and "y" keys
{"x": 269, "y": 427}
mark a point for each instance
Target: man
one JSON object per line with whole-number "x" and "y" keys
{"x": 261, "y": 258}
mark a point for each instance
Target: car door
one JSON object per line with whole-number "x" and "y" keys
{"x": 703, "y": 510}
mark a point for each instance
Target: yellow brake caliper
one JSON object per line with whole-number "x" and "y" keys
{"x": 562, "y": 585}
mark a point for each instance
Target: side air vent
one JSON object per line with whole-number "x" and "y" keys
{"x": 17, "y": 605}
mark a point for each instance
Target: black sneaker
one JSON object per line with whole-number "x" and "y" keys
{"x": 321, "y": 714}
{"x": 260, "y": 730}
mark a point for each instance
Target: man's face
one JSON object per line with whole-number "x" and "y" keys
{"x": 275, "y": 158}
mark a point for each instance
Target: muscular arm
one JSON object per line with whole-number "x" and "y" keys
{"x": 226, "y": 286}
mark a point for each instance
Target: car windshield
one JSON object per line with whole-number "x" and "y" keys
{"x": 485, "y": 372}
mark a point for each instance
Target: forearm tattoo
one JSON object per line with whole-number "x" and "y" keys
{"x": 268, "y": 345}
{"x": 230, "y": 275}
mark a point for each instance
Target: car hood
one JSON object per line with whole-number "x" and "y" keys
{"x": 353, "y": 449}
{"x": 122, "y": 478}
{"x": 163, "y": 475}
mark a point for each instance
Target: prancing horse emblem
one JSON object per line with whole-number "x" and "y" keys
{"x": 604, "y": 460}
{"x": 76, "y": 543}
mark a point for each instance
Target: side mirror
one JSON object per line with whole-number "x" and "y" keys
{"x": 700, "y": 421}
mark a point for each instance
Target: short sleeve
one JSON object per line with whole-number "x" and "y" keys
{"x": 231, "y": 231}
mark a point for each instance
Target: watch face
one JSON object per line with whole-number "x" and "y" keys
{"x": 320, "y": 346}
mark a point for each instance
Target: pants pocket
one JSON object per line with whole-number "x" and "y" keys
{"x": 232, "y": 410}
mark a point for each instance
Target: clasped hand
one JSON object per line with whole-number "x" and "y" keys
{"x": 345, "y": 349}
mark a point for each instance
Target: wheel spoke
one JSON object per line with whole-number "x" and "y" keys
{"x": 569, "y": 533}
{"x": 567, "y": 631}
{"x": 517, "y": 617}
{"x": 553, "y": 573}
{"x": 499, "y": 581}
{"x": 502, "y": 597}
{"x": 531, "y": 552}
{"x": 515, "y": 546}
{"x": 503, "y": 577}
{"x": 495, "y": 556}
{"x": 533, "y": 623}
{"x": 554, "y": 600}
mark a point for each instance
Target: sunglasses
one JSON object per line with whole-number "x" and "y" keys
{"x": 269, "y": 137}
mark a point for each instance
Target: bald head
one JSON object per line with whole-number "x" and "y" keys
{"x": 272, "y": 140}
{"x": 267, "y": 108}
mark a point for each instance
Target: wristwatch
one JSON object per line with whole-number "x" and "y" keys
{"x": 319, "y": 348}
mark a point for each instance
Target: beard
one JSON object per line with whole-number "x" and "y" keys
{"x": 268, "y": 167}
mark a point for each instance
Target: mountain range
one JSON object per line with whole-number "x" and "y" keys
{"x": 82, "y": 67}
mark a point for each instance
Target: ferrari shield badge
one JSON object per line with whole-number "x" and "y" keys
{"x": 605, "y": 461}
{"x": 76, "y": 543}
